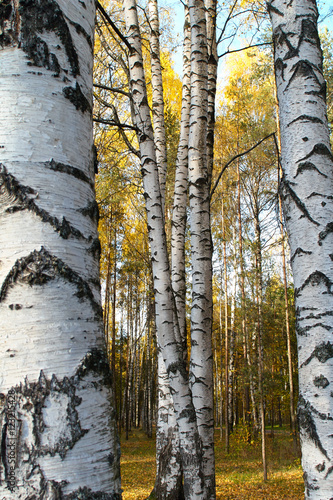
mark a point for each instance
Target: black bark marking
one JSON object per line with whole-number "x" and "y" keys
{"x": 328, "y": 230}
{"x": 280, "y": 37}
{"x": 91, "y": 210}
{"x": 315, "y": 279}
{"x": 40, "y": 267}
{"x": 20, "y": 200}
{"x": 304, "y": 69}
{"x": 329, "y": 471}
{"x": 286, "y": 185}
{"x": 23, "y": 24}
{"x": 307, "y": 165}
{"x": 87, "y": 494}
{"x": 68, "y": 169}
{"x": 323, "y": 352}
{"x": 309, "y": 32}
{"x": 271, "y": 8}
{"x": 189, "y": 414}
{"x": 95, "y": 249}
{"x": 319, "y": 93}
{"x": 300, "y": 251}
{"x": 280, "y": 66}
{"x": 306, "y": 118}
{"x": 95, "y": 361}
{"x": 321, "y": 381}
{"x": 32, "y": 398}
{"x": 177, "y": 366}
{"x": 318, "y": 149}
{"x": 81, "y": 31}
{"x": 77, "y": 98}
{"x": 317, "y": 316}
{"x": 303, "y": 331}
{"x": 321, "y": 467}
{"x": 307, "y": 424}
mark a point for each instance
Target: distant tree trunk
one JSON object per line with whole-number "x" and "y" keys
{"x": 286, "y": 306}
{"x": 226, "y": 330}
{"x": 58, "y": 433}
{"x": 258, "y": 258}
{"x": 306, "y": 190}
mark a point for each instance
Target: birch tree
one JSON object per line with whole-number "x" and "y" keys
{"x": 58, "y": 436}
{"x": 306, "y": 189}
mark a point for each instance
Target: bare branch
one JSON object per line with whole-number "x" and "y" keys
{"x": 112, "y": 24}
{"x": 112, "y": 89}
{"x": 244, "y": 48}
{"x": 235, "y": 158}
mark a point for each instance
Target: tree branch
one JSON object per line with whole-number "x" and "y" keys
{"x": 244, "y": 48}
{"x": 112, "y": 24}
{"x": 235, "y": 158}
{"x": 112, "y": 89}
{"x": 114, "y": 123}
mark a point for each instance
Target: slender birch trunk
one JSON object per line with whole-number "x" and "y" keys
{"x": 58, "y": 433}
{"x": 169, "y": 473}
{"x": 226, "y": 330}
{"x": 168, "y": 483}
{"x": 190, "y": 443}
{"x": 258, "y": 260}
{"x": 306, "y": 190}
{"x": 201, "y": 364}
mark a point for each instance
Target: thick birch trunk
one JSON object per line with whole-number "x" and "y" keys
{"x": 307, "y": 187}
{"x": 190, "y": 444}
{"x": 57, "y": 424}
{"x": 201, "y": 364}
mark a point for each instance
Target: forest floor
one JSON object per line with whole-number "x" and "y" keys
{"x": 238, "y": 475}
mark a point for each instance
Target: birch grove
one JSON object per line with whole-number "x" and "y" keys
{"x": 58, "y": 435}
{"x": 306, "y": 191}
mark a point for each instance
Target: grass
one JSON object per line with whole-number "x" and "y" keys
{"x": 238, "y": 475}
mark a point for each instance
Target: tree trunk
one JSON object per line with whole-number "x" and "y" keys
{"x": 58, "y": 433}
{"x": 306, "y": 190}
{"x": 258, "y": 259}
{"x": 201, "y": 362}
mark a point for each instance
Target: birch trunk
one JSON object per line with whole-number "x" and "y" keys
{"x": 58, "y": 434}
{"x": 168, "y": 483}
{"x": 201, "y": 363}
{"x": 169, "y": 477}
{"x": 190, "y": 444}
{"x": 306, "y": 190}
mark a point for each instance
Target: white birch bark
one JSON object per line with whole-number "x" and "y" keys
{"x": 158, "y": 100}
{"x": 307, "y": 187}
{"x": 58, "y": 436}
{"x": 168, "y": 464}
{"x": 201, "y": 363}
{"x": 164, "y": 305}
{"x": 169, "y": 472}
